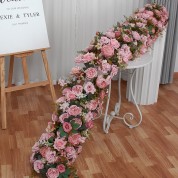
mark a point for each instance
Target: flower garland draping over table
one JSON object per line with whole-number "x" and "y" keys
{"x": 83, "y": 93}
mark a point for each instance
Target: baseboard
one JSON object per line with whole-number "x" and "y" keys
{"x": 175, "y": 75}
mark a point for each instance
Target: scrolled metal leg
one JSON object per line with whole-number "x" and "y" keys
{"x": 130, "y": 116}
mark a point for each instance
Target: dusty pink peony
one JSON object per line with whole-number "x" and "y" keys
{"x": 114, "y": 70}
{"x": 52, "y": 173}
{"x": 110, "y": 34}
{"x": 76, "y": 70}
{"x": 107, "y": 51}
{"x": 74, "y": 110}
{"x": 63, "y": 116}
{"x": 51, "y": 156}
{"x": 92, "y": 105}
{"x": 75, "y": 139}
{"x": 102, "y": 82}
{"x": 104, "y": 40}
{"x": 38, "y": 164}
{"x": 127, "y": 39}
{"x": 91, "y": 73}
{"x": 59, "y": 144}
{"x": 44, "y": 150}
{"x": 67, "y": 127}
{"x": 89, "y": 88}
{"x": 77, "y": 89}
{"x": 60, "y": 100}
{"x": 65, "y": 90}
{"x": 85, "y": 58}
{"x": 105, "y": 67}
{"x": 114, "y": 43}
{"x": 61, "y": 168}
{"x": 71, "y": 153}
{"x": 89, "y": 124}
{"x": 136, "y": 35}
{"x": 70, "y": 95}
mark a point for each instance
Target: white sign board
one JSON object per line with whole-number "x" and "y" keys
{"x": 22, "y": 26}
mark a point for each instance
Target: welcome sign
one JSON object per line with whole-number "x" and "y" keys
{"x": 22, "y": 26}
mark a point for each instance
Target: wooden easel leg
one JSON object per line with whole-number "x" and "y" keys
{"x": 11, "y": 71}
{"x": 3, "y": 94}
{"x": 25, "y": 70}
{"x": 45, "y": 61}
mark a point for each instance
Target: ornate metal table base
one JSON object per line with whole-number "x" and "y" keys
{"x": 116, "y": 113}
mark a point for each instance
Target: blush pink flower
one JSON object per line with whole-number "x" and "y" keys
{"x": 38, "y": 164}
{"x": 70, "y": 96}
{"x": 102, "y": 82}
{"x": 89, "y": 88}
{"x": 124, "y": 53}
{"x": 110, "y": 34}
{"x": 114, "y": 70}
{"x": 50, "y": 127}
{"x": 67, "y": 127}
{"x": 63, "y": 116}
{"x": 71, "y": 153}
{"x": 89, "y": 124}
{"x": 60, "y": 100}
{"x": 52, "y": 173}
{"x": 51, "y": 156}
{"x": 117, "y": 33}
{"x": 105, "y": 67}
{"x": 91, "y": 73}
{"x": 76, "y": 70}
{"x": 59, "y": 144}
{"x": 127, "y": 39}
{"x": 114, "y": 43}
{"x": 107, "y": 51}
{"x": 136, "y": 35}
{"x": 74, "y": 110}
{"x": 92, "y": 105}
{"x": 77, "y": 90}
{"x": 75, "y": 139}
{"x": 104, "y": 40}
{"x": 44, "y": 150}
{"x": 55, "y": 118}
{"x": 61, "y": 168}
{"x": 85, "y": 58}
{"x": 65, "y": 90}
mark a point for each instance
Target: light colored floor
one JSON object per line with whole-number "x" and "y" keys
{"x": 149, "y": 151}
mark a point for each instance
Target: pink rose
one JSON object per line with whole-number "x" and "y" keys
{"x": 38, "y": 164}
{"x": 35, "y": 147}
{"x": 91, "y": 73}
{"x": 127, "y": 39}
{"x": 54, "y": 118}
{"x": 52, "y": 173}
{"x": 105, "y": 66}
{"x": 92, "y": 105}
{"x": 114, "y": 43}
{"x": 60, "y": 100}
{"x": 89, "y": 116}
{"x": 85, "y": 58}
{"x": 76, "y": 70}
{"x": 136, "y": 35}
{"x": 117, "y": 33}
{"x": 51, "y": 156}
{"x": 75, "y": 139}
{"x": 46, "y": 136}
{"x": 61, "y": 168}
{"x": 104, "y": 40}
{"x": 74, "y": 110}
{"x": 110, "y": 34}
{"x": 67, "y": 127}
{"x": 70, "y": 96}
{"x": 63, "y": 116}
{"x": 44, "y": 150}
{"x": 65, "y": 90}
{"x": 71, "y": 153}
{"x": 59, "y": 144}
{"x": 107, "y": 51}
{"x": 89, "y": 88}
{"x": 50, "y": 127}
{"x": 89, "y": 124}
{"x": 77, "y": 90}
{"x": 114, "y": 70}
{"x": 102, "y": 82}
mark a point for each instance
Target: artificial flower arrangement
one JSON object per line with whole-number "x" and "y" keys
{"x": 83, "y": 93}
